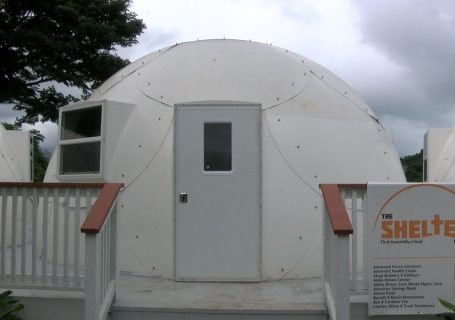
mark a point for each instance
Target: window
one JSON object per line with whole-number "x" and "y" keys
{"x": 80, "y": 140}
{"x": 80, "y": 158}
{"x": 217, "y": 146}
{"x": 82, "y": 123}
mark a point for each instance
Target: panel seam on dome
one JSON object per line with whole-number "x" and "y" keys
{"x": 291, "y": 98}
{"x": 139, "y": 67}
{"x": 154, "y": 99}
{"x": 376, "y": 119}
{"x": 284, "y": 158}
{"x": 160, "y": 147}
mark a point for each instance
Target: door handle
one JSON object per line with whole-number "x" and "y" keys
{"x": 183, "y": 197}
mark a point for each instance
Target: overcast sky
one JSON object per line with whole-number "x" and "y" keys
{"x": 398, "y": 54}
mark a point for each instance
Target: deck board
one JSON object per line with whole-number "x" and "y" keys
{"x": 283, "y": 296}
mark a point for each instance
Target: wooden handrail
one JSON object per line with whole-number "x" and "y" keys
{"x": 361, "y": 186}
{"x": 100, "y": 209}
{"x": 50, "y": 185}
{"x": 336, "y": 209}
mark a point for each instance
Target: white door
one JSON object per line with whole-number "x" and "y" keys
{"x": 217, "y": 210}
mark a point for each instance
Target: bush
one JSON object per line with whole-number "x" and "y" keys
{"x": 447, "y": 315}
{"x": 9, "y": 307}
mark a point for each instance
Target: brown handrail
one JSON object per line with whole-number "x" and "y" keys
{"x": 336, "y": 209}
{"x": 357, "y": 186}
{"x": 100, "y": 209}
{"x": 50, "y": 185}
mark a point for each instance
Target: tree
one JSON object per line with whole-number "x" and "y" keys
{"x": 413, "y": 167}
{"x": 40, "y": 160}
{"x": 69, "y": 42}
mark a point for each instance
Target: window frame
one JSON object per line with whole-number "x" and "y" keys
{"x": 63, "y": 142}
{"x": 201, "y": 147}
{"x": 218, "y": 172}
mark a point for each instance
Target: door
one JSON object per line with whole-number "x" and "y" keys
{"x": 217, "y": 210}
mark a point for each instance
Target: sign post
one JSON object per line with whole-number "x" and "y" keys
{"x": 411, "y": 250}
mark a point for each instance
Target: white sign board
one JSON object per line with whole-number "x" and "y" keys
{"x": 411, "y": 250}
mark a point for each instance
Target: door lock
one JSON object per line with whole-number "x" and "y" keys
{"x": 183, "y": 197}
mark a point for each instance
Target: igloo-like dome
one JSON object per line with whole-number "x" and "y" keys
{"x": 15, "y": 159}
{"x": 177, "y": 123}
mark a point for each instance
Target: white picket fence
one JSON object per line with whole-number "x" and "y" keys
{"x": 42, "y": 246}
{"x": 41, "y": 242}
{"x": 344, "y": 249}
{"x": 355, "y": 202}
{"x": 100, "y": 230}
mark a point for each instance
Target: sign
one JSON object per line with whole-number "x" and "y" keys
{"x": 411, "y": 250}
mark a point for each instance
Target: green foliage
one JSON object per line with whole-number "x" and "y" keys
{"x": 9, "y": 307}
{"x": 68, "y": 42}
{"x": 40, "y": 160}
{"x": 413, "y": 167}
{"x": 447, "y": 315}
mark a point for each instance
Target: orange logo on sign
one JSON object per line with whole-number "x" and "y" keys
{"x": 399, "y": 229}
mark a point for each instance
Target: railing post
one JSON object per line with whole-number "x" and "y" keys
{"x": 341, "y": 290}
{"x": 92, "y": 274}
{"x": 113, "y": 247}
{"x": 337, "y": 229}
{"x": 326, "y": 245}
{"x": 100, "y": 228}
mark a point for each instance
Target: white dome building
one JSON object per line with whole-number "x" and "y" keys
{"x": 222, "y": 145}
{"x": 16, "y": 155}
{"x": 439, "y": 155}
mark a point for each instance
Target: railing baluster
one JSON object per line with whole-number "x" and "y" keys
{"x": 100, "y": 266}
{"x": 100, "y": 269}
{"x": 103, "y": 244}
{"x": 55, "y": 237}
{"x": 364, "y": 236}
{"x": 113, "y": 250}
{"x": 66, "y": 236}
{"x": 24, "y": 233}
{"x": 89, "y": 199}
{"x": 45, "y": 234}
{"x": 34, "y": 231}
{"x": 3, "y": 231}
{"x": 77, "y": 225}
{"x": 13, "y": 233}
{"x": 354, "y": 240}
{"x": 108, "y": 250}
{"x": 106, "y": 227}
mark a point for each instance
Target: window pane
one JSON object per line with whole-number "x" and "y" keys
{"x": 80, "y": 158}
{"x": 217, "y": 147}
{"x": 82, "y": 123}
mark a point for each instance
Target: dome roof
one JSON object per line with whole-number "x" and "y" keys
{"x": 226, "y": 70}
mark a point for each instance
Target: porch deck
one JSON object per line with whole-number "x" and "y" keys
{"x": 299, "y": 295}
{"x": 154, "y": 298}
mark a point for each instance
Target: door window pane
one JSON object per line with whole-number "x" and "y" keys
{"x": 80, "y": 158}
{"x": 82, "y": 123}
{"x": 217, "y": 146}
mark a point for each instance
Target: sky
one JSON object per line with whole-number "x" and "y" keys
{"x": 399, "y": 55}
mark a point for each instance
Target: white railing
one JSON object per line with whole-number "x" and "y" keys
{"x": 40, "y": 241}
{"x": 354, "y": 198}
{"x": 337, "y": 231}
{"x": 100, "y": 229}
